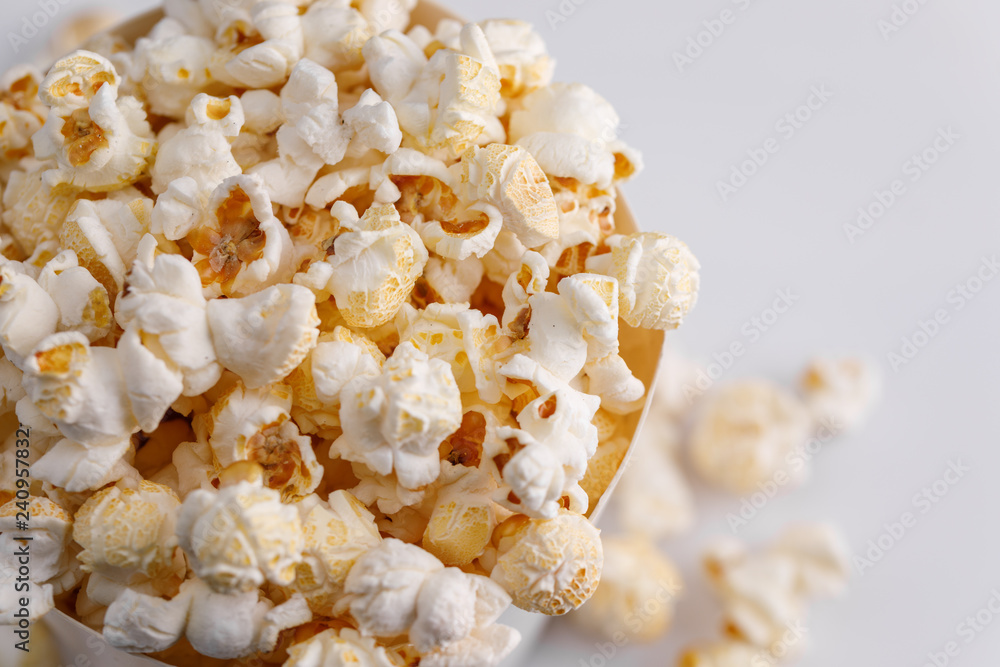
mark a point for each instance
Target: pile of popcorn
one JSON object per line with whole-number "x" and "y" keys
{"x": 312, "y": 317}
{"x": 745, "y": 437}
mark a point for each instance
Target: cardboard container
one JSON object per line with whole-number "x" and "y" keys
{"x": 80, "y": 646}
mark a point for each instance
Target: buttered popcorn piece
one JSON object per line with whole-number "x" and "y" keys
{"x": 128, "y": 530}
{"x": 763, "y": 592}
{"x": 509, "y": 178}
{"x": 463, "y": 518}
{"x": 338, "y": 648}
{"x": 21, "y": 112}
{"x": 396, "y": 421}
{"x": 550, "y": 566}
{"x": 397, "y": 588}
{"x": 99, "y": 141}
{"x": 374, "y": 267}
{"x": 657, "y": 278}
{"x": 638, "y": 592}
{"x": 240, "y": 536}
{"x": 745, "y": 434}
{"x": 839, "y": 392}
{"x": 521, "y": 56}
{"x": 263, "y": 337}
{"x": 32, "y": 210}
{"x": 337, "y": 532}
{"x": 255, "y": 425}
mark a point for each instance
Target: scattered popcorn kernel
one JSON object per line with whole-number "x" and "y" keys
{"x": 638, "y": 592}
{"x": 726, "y": 653}
{"x": 550, "y": 566}
{"x": 839, "y": 392}
{"x": 745, "y": 433}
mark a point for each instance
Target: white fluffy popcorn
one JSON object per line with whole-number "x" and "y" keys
{"x": 839, "y": 393}
{"x": 764, "y": 592}
{"x": 373, "y": 268}
{"x": 21, "y": 112}
{"x": 373, "y": 125}
{"x": 395, "y": 422}
{"x": 83, "y": 302}
{"x": 397, "y": 588}
{"x": 747, "y": 433}
{"x": 343, "y": 648}
{"x": 99, "y": 141}
{"x": 521, "y": 56}
{"x": 240, "y": 537}
{"x": 657, "y": 278}
{"x": 172, "y": 66}
{"x": 264, "y": 336}
{"x": 638, "y": 592}
{"x": 258, "y": 44}
{"x": 27, "y": 313}
{"x": 550, "y": 566}
{"x": 32, "y": 210}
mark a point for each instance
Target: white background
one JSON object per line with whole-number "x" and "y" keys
{"x": 785, "y": 230}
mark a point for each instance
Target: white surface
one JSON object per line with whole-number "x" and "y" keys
{"x": 784, "y": 230}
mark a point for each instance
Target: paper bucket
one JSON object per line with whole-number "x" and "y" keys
{"x": 78, "y": 645}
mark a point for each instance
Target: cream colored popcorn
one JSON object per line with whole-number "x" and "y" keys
{"x": 373, "y": 268}
{"x": 453, "y": 281}
{"x": 32, "y": 211}
{"x": 574, "y": 109}
{"x": 12, "y": 390}
{"x": 311, "y": 136}
{"x": 654, "y": 498}
{"x": 240, "y": 537}
{"x": 337, "y": 532}
{"x": 83, "y": 302}
{"x": 398, "y": 588}
{"x": 102, "y": 145}
{"x": 75, "y": 80}
{"x": 241, "y": 248}
{"x": 217, "y": 625}
{"x": 463, "y": 518}
{"x": 521, "y": 56}
{"x": 839, "y": 392}
{"x": 657, "y": 278}
{"x": 334, "y": 34}
{"x": 258, "y": 44}
{"x": 127, "y": 532}
{"x": 263, "y": 337}
{"x": 202, "y": 150}
{"x": 508, "y": 178}
{"x": 255, "y": 425}
{"x": 373, "y": 124}
{"x": 336, "y": 360}
{"x": 638, "y": 592}
{"x": 395, "y": 422}
{"x": 172, "y": 67}
{"x": 78, "y": 468}
{"x": 27, "y": 313}
{"x": 550, "y": 566}
{"x": 387, "y": 14}
{"x": 726, "y": 653}
{"x": 164, "y": 302}
{"x": 529, "y": 278}
{"x": 338, "y": 648}
{"x": 21, "y": 112}
{"x": 764, "y": 592}
{"x": 747, "y": 433}
{"x": 389, "y": 496}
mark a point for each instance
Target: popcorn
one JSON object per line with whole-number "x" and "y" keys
{"x": 452, "y": 281}
{"x": 337, "y": 532}
{"x": 172, "y": 66}
{"x": 127, "y": 533}
{"x": 202, "y": 150}
{"x": 373, "y": 268}
{"x": 259, "y": 44}
{"x": 397, "y": 588}
{"x": 334, "y": 34}
{"x": 255, "y": 425}
{"x": 653, "y": 497}
{"x": 164, "y": 303}
{"x": 32, "y": 210}
{"x": 264, "y": 336}
{"x": 373, "y": 125}
{"x": 726, "y": 653}
{"x": 636, "y": 597}
{"x": 21, "y": 112}
{"x": 521, "y": 56}
{"x": 217, "y": 625}
{"x": 99, "y": 142}
{"x": 657, "y": 278}
{"x": 763, "y": 593}
{"x": 27, "y": 313}
{"x": 548, "y": 566}
{"x": 83, "y": 302}
{"x": 51, "y": 556}
{"x": 508, "y": 178}
{"x": 395, "y": 422}
{"x": 463, "y": 518}
{"x": 746, "y": 433}
{"x": 839, "y": 392}
{"x": 338, "y": 648}
{"x": 240, "y": 536}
